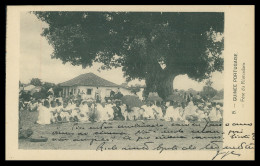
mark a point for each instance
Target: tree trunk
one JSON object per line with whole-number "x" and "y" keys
{"x": 165, "y": 86}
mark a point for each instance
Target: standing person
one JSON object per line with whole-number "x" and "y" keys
{"x": 182, "y": 108}
{"x": 148, "y": 111}
{"x": 41, "y": 114}
{"x": 213, "y": 113}
{"x": 98, "y": 95}
{"x": 109, "y": 109}
{"x": 84, "y": 111}
{"x": 136, "y": 113}
{"x": 53, "y": 111}
{"x": 124, "y": 111}
{"x": 169, "y": 112}
{"x": 218, "y": 112}
{"x": 164, "y": 107}
{"x": 44, "y": 113}
{"x": 83, "y": 95}
{"x": 158, "y": 111}
{"x": 117, "y": 111}
{"x": 221, "y": 109}
{"x": 21, "y": 105}
{"x": 129, "y": 113}
{"x": 103, "y": 116}
{"x": 47, "y": 113}
{"x": 94, "y": 115}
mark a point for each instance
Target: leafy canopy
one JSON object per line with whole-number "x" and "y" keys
{"x": 147, "y": 45}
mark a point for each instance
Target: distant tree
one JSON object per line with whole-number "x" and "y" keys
{"x": 208, "y": 91}
{"x": 220, "y": 94}
{"x": 25, "y": 95}
{"x": 39, "y": 95}
{"x": 209, "y": 83}
{"x": 36, "y": 82}
{"x": 48, "y": 85}
{"x": 57, "y": 89}
{"x": 154, "y": 46}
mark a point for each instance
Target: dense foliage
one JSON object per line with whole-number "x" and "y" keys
{"x": 154, "y": 46}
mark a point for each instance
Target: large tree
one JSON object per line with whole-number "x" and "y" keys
{"x": 154, "y": 46}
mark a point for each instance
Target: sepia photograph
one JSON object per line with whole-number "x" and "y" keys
{"x": 120, "y": 80}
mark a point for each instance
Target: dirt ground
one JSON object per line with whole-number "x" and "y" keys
{"x": 121, "y": 135}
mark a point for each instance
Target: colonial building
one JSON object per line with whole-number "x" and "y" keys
{"x": 92, "y": 86}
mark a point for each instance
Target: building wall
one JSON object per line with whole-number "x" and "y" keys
{"x": 125, "y": 91}
{"x": 103, "y": 91}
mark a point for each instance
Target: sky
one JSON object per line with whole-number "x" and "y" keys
{"x": 36, "y": 62}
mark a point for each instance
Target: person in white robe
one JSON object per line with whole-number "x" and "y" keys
{"x": 109, "y": 110}
{"x": 190, "y": 112}
{"x": 130, "y": 113}
{"x": 158, "y": 114}
{"x": 173, "y": 113}
{"x": 32, "y": 105}
{"x": 44, "y": 114}
{"x": 94, "y": 114}
{"x": 137, "y": 113}
{"x": 65, "y": 113}
{"x": 201, "y": 113}
{"x": 214, "y": 114}
{"x": 53, "y": 111}
{"x": 102, "y": 115}
{"x": 148, "y": 111}
{"x": 40, "y": 110}
{"x": 219, "y": 113}
{"x": 124, "y": 111}
{"x": 220, "y": 109}
{"x": 74, "y": 113}
{"x": 84, "y": 112}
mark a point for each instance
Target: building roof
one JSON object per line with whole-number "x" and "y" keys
{"x": 29, "y": 87}
{"x": 89, "y": 79}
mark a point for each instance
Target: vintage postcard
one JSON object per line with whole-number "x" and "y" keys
{"x": 130, "y": 83}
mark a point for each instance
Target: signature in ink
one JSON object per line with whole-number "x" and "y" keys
{"x": 224, "y": 154}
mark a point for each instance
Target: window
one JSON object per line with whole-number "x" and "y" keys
{"x": 74, "y": 91}
{"x": 89, "y": 91}
{"x": 78, "y": 91}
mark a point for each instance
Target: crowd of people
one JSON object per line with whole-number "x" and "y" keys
{"x": 60, "y": 110}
